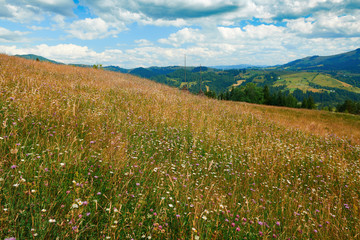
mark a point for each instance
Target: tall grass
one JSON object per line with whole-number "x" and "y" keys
{"x": 90, "y": 154}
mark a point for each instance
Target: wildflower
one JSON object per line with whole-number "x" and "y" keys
{"x": 137, "y": 184}
{"x": 88, "y": 214}
{"x": 13, "y": 166}
{"x": 99, "y": 193}
{"x": 238, "y": 229}
{"x": 62, "y": 164}
{"x": 204, "y": 217}
{"x": 177, "y": 215}
{"x": 260, "y": 233}
{"x": 52, "y": 220}
{"x": 233, "y": 224}
{"x": 75, "y": 205}
{"x": 170, "y": 205}
{"x": 278, "y": 223}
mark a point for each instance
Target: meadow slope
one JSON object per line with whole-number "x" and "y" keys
{"x": 91, "y": 154}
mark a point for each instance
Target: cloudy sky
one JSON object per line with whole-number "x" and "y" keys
{"x": 133, "y": 33}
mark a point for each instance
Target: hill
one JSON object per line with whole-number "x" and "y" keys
{"x": 349, "y": 61}
{"x": 328, "y": 80}
{"x": 240, "y": 66}
{"x": 116, "y": 69}
{"x": 92, "y": 154}
{"x": 36, "y": 57}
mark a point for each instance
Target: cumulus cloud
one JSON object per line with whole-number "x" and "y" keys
{"x": 209, "y": 32}
{"x": 185, "y": 35}
{"x": 327, "y": 25}
{"x": 143, "y": 42}
{"x": 92, "y": 28}
{"x": 161, "y": 9}
{"x": 11, "y": 36}
{"x": 28, "y": 10}
{"x": 67, "y": 53}
{"x": 219, "y": 11}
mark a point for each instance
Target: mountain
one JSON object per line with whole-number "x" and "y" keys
{"x": 240, "y": 66}
{"x": 164, "y": 70}
{"x": 36, "y": 57}
{"x": 142, "y": 72}
{"x": 116, "y": 69}
{"x": 349, "y": 61}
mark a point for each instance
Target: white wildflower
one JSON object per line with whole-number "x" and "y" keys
{"x": 75, "y": 205}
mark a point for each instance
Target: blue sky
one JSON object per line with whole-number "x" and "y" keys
{"x": 136, "y": 33}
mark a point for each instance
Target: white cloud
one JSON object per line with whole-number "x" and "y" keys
{"x": 301, "y": 26}
{"x": 143, "y": 42}
{"x": 89, "y": 29}
{"x": 327, "y": 25}
{"x": 225, "y": 12}
{"x": 11, "y": 36}
{"x": 67, "y": 53}
{"x": 263, "y": 31}
{"x": 183, "y": 36}
{"x": 34, "y": 10}
{"x": 209, "y": 32}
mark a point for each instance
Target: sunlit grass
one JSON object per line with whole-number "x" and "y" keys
{"x": 301, "y": 80}
{"x": 89, "y": 154}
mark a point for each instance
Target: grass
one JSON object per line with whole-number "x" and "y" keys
{"x": 90, "y": 154}
{"x": 301, "y": 81}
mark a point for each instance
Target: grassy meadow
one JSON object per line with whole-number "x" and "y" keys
{"x": 91, "y": 154}
{"x": 301, "y": 80}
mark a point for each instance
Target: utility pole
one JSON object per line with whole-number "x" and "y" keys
{"x": 185, "y": 70}
{"x": 185, "y": 85}
{"x": 200, "y": 91}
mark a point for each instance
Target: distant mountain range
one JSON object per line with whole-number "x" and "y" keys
{"x": 240, "y": 66}
{"x": 349, "y": 61}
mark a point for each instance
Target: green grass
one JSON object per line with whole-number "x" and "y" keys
{"x": 301, "y": 81}
{"x": 89, "y": 154}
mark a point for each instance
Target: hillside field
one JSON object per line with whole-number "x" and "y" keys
{"x": 93, "y": 154}
{"x": 303, "y": 80}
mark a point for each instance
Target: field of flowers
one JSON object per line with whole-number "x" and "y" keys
{"x": 90, "y": 154}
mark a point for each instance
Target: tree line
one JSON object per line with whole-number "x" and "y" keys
{"x": 252, "y": 93}
{"x": 349, "y": 107}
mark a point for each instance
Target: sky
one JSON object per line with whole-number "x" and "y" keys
{"x": 144, "y": 33}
